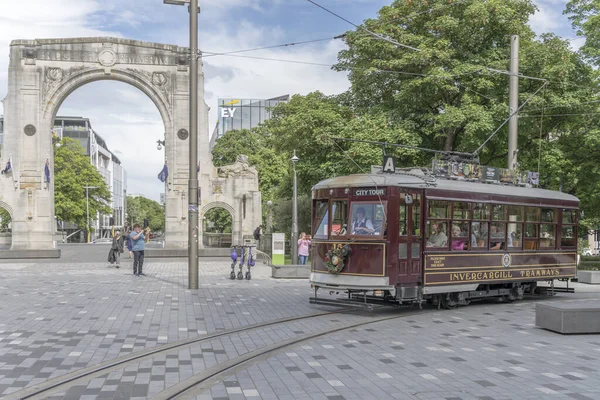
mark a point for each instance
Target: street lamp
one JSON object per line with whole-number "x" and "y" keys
{"x": 270, "y": 217}
{"x": 194, "y": 9}
{"x": 160, "y": 145}
{"x": 294, "y": 238}
{"x": 87, "y": 209}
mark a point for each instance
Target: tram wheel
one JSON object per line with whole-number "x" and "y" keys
{"x": 449, "y": 301}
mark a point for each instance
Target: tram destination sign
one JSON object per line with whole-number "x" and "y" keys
{"x": 364, "y": 192}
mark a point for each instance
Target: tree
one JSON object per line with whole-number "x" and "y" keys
{"x": 5, "y": 220}
{"x": 141, "y": 208}
{"x": 448, "y": 94}
{"x": 219, "y": 219}
{"x": 585, "y": 17}
{"x": 72, "y": 172}
{"x": 256, "y": 143}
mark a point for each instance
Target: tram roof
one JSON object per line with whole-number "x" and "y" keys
{"x": 418, "y": 180}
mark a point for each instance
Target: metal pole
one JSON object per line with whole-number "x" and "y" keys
{"x": 193, "y": 182}
{"x": 87, "y": 211}
{"x": 513, "y": 123}
{"x": 294, "y": 238}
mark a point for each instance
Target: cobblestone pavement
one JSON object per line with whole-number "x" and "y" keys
{"x": 59, "y": 318}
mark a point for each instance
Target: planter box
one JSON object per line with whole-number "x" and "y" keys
{"x": 592, "y": 277}
{"x": 568, "y": 318}
{"x": 290, "y": 271}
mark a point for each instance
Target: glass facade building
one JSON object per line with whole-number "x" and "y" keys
{"x": 236, "y": 114}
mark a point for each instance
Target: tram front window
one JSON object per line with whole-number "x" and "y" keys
{"x": 321, "y": 219}
{"x": 367, "y": 218}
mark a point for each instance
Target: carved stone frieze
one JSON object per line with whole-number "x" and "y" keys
{"x": 54, "y": 76}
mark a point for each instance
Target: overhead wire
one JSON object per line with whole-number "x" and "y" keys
{"x": 377, "y": 35}
{"x": 212, "y": 54}
{"x": 508, "y": 119}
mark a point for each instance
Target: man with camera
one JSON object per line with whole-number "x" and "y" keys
{"x": 137, "y": 237}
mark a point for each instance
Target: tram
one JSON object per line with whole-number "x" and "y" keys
{"x": 412, "y": 236}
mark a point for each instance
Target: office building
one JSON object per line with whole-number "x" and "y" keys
{"x": 236, "y": 114}
{"x": 107, "y": 164}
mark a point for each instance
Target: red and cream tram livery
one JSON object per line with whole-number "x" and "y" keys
{"x": 413, "y": 237}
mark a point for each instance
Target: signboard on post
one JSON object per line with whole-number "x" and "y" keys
{"x": 278, "y": 249}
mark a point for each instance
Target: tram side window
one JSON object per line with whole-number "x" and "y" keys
{"x": 515, "y": 226}
{"x": 498, "y": 238}
{"x": 368, "y": 218}
{"x": 403, "y": 218}
{"x": 532, "y": 218}
{"x": 436, "y": 234}
{"x": 568, "y": 230}
{"x": 416, "y": 216}
{"x": 548, "y": 228}
{"x": 480, "y": 226}
{"x": 339, "y": 218}
{"x": 460, "y": 226}
{"x": 320, "y": 224}
{"x": 439, "y": 209}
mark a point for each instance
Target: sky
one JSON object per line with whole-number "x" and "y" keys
{"x": 129, "y": 121}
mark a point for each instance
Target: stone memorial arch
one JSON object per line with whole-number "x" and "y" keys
{"x": 42, "y": 74}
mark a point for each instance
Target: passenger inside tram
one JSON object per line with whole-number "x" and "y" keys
{"x": 437, "y": 238}
{"x": 457, "y": 244}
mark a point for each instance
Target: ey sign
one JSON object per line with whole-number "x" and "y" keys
{"x": 227, "y": 112}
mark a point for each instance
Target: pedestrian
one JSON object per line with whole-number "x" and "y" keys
{"x": 114, "y": 255}
{"x": 129, "y": 243}
{"x": 137, "y": 237}
{"x": 303, "y": 248}
{"x": 258, "y": 232}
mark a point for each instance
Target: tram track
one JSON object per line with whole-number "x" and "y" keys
{"x": 204, "y": 380}
{"x": 63, "y": 382}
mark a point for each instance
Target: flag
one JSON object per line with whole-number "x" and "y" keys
{"x": 7, "y": 168}
{"x": 47, "y": 171}
{"x": 164, "y": 173}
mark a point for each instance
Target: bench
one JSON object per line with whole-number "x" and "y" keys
{"x": 569, "y": 317}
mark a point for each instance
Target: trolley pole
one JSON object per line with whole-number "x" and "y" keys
{"x": 513, "y": 99}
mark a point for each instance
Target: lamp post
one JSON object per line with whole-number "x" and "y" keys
{"x": 193, "y": 150}
{"x": 87, "y": 209}
{"x": 160, "y": 144}
{"x": 294, "y": 237}
{"x": 270, "y": 217}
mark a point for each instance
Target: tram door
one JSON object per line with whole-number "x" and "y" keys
{"x": 409, "y": 239}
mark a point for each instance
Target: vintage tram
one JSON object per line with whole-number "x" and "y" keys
{"x": 410, "y": 237}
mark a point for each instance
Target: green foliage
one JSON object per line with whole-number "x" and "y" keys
{"x": 218, "y": 220}
{"x": 256, "y": 144}
{"x": 5, "y": 220}
{"x": 445, "y": 97}
{"x": 72, "y": 172}
{"x": 140, "y": 208}
{"x": 282, "y": 215}
{"x": 585, "y": 17}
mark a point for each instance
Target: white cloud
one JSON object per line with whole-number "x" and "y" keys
{"x": 129, "y": 121}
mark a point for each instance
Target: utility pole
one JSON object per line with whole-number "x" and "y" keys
{"x": 194, "y": 9}
{"x": 513, "y": 102}
{"x": 193, "y": 182}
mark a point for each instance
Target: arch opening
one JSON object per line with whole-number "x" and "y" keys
{"x": 118, "y": 129}
{"x": 217, "y": 228}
